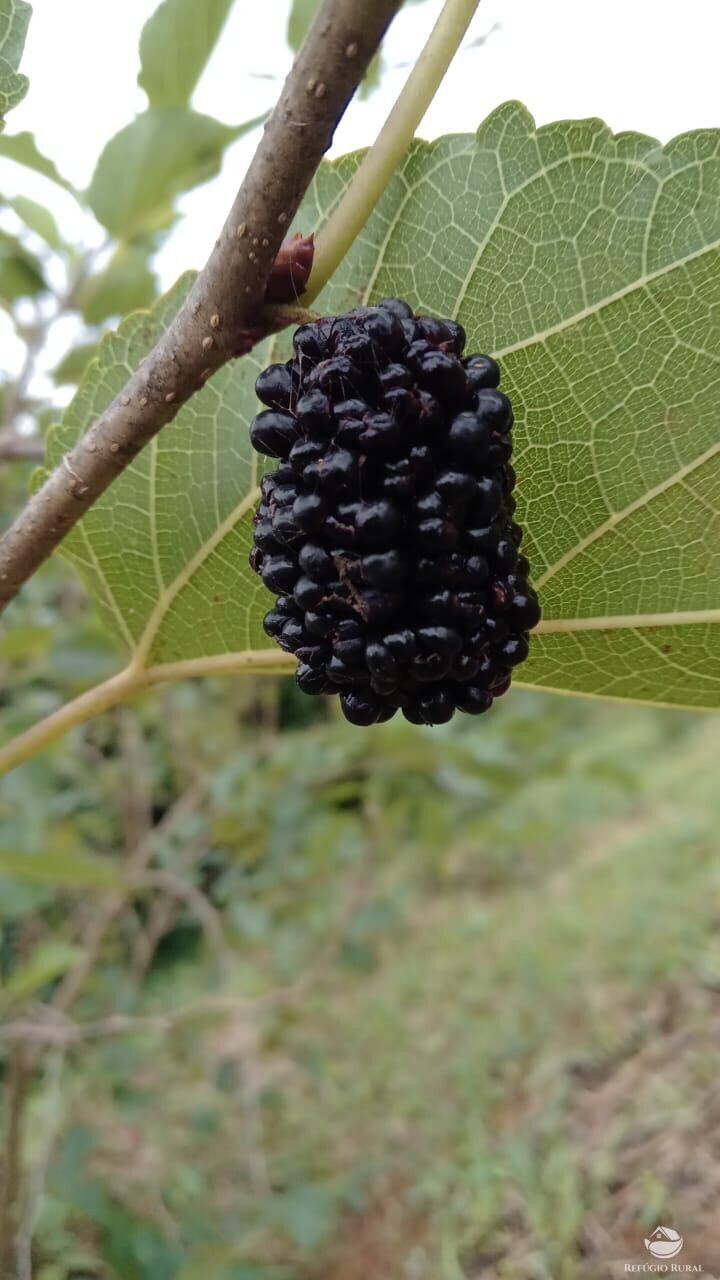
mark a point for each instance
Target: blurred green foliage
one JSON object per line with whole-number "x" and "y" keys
{"x": 176, "y": 44}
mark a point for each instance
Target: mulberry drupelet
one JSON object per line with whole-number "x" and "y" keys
{"x": 386, "y": 531}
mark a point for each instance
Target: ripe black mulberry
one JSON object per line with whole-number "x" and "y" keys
{"x": 386, "y": 531}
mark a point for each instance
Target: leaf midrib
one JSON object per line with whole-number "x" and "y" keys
{"x": 627, "y": 621}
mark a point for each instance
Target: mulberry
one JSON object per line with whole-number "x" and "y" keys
{"x": 387, "y": 531}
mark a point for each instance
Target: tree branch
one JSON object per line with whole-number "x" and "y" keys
{"x": 38, "y": 1171}
{"x": 63, "y": 1033}
{"x": 220, "y": 318}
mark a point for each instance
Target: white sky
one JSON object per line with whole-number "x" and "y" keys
{"x": 648, "y": 65}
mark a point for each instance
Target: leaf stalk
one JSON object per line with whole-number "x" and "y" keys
{"x": 381, "y": 161}
{"x": 129, "y": 682}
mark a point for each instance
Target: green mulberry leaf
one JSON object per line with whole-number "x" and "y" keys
{"x": 590, "y": 266}
{"x": 125, "y": 284}
{"x": 163, "y": 152}
{"x": 14, "y": 19}
{"x": 21, "y": 273}
{"x": 175, "y": 45}
{"x": 23, "y": 149}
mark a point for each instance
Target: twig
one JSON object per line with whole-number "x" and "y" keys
{"x": 37, "y": 1175}
{"x": 220, "y": 318}
{"x": 188, "y": 893}
{"x": 112, "y": 903}
{"x": 135, "y": 789}
{"x": 65, "y": 1033}
{"x": 17, "y": 1084}
{"x": 21, "y": 448}
{"x": 161, "y": 916}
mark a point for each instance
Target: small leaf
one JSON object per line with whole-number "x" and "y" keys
{"x": 165, "y": 151}
{"x": 66, "y": 870}
{"x": 126, "y": 284}
{"x": 13, "y": 88}
{"x": 21, "y": 274}
{"x": 175, "y": 45}
{"x": 301, "y": 15}
{"x": 14, "y": 19}
{"x": 38, "y": 219}
{"x": 73, "y": 365}
{"x": 24, "y": 642}
{"x": 371, "y": 80}
{"x": 306, "y": 1213}
{"x": 23, "y": 149}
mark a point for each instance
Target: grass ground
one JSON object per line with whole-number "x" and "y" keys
{"x": 491, "y": 958}
{"x": 536, "y": 1063}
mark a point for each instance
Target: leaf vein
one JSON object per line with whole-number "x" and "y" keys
{"x": 618, "y": 516}
{"x": 171, "y": 592}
